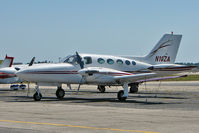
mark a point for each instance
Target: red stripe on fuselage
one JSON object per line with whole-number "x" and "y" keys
{"x": 53, "y": 72}
{"x": 6, "y": 75}
{"x": 75, "y": 72}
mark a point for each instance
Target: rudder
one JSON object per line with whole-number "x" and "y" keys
{"x": 7, "y": 62}
{"x": 165, "y": 51}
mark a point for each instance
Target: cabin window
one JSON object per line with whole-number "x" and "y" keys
{"x": 100, "y": 61}
{"x": 87, "y": 60}
{"x": 127, "y": 62}
{"x": 133, "y": 62}
{"x": 119, "y": 62}
{"x": 110, "y": 61}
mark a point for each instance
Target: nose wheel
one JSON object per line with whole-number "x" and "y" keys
{"x": 37, "y": 96}
{"x": 60, "y": 93}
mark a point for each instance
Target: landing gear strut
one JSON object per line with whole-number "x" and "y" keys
{"x": 123, "y": 94}
{"x": 37, "y": 96}
{"x": 119, "y": 96}
{"x": 60, "y": 93}
{"x": 134, "y": 88}
{"x": 101, "y": 88}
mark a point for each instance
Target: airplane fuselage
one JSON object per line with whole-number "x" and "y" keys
{"x": 68, "y": 71}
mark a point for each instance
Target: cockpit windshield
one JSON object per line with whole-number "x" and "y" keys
{"x": 72, "y": 59}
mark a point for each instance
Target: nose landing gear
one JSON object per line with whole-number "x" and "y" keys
{"x": 37, "y": 96}
{"x": 60, "y": 93}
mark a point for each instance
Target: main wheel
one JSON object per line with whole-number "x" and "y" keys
{"x": 60, "y": 93}
{"x": 101, "y": 88}
{"x": 37, "y": 97}
{"x": 134, "y": 88}
{"x": 119, "y": 96}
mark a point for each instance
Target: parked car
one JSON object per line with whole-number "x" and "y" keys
{"x": 16, "y": 87}
{"x": 22, "y": 86}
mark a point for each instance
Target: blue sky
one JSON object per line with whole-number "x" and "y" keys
{"x": 49, "y": 29}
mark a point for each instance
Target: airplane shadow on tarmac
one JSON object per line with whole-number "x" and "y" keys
{"x": 131, "y": 99}
{"x": 140, "y": 97}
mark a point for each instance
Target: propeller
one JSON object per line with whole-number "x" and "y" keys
{"x": 32, "y": 61}
{"x": 79, "y": 60}
{"x": 79, "y": 85}
{"x": 81, "y": 64}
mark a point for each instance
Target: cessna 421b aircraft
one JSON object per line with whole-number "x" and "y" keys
{"x": 107, "y": 70}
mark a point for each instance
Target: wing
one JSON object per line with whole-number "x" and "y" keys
{"x": 133, "y": 77}
{"x": 161, "y": 78}
{"x": 112, "y": 76}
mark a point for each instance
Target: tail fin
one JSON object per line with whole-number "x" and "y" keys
{"x": 165, "y": 50}
{"x": 7, "y": 62}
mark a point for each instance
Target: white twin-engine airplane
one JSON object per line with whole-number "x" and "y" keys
{"x": 107, "y": 70}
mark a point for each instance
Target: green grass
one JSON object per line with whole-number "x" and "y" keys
{"x": 188, "y": 78}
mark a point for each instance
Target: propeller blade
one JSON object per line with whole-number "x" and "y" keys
{"x": 79, "y": 85}
{"x": 78, "y": 88}
{"x": 32, "y": 61}
{"x": 79, "y": 60}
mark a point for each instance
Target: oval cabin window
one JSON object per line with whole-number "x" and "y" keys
{"x": 110, "y": 61}
{"x": 119, "y": 62}
{"x": 100, "y": 61}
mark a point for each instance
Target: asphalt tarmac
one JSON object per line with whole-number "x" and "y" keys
{"x": 159, "y": 107}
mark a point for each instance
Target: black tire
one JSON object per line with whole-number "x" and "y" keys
{"x": 134, "y": 89}
{"x": 101, "y": 88}
{"x": 119, "y": 96}
{"x": 37, "y": 97}
{"x": 60, "y": 93}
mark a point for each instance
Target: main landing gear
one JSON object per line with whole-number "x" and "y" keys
{"x": 134, "y": 88}
{"x": 123, "y": 94}
{"x": 60, "y": 93}
{"x": 101, "y": 88}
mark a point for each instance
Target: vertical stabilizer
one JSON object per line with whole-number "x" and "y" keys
{"x": 165, "y": 50}
{"x": 7, "y": 62}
